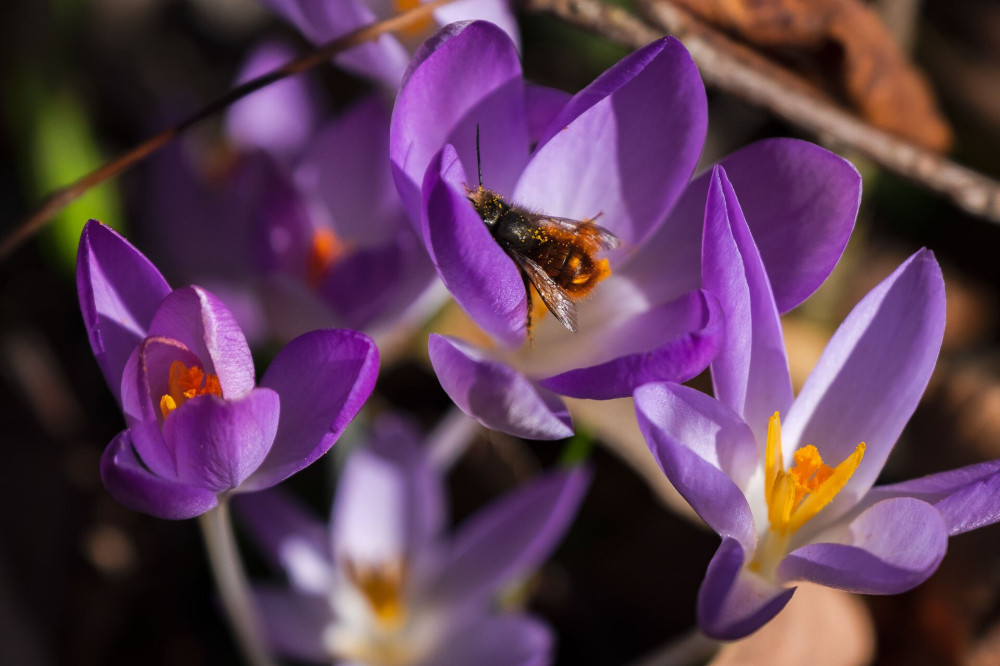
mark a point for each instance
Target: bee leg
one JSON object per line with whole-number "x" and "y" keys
{"x": 527, "y": 295}
{"x": 593, "y": 219}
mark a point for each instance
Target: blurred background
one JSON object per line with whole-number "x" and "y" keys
{"x": 85, "y": 581}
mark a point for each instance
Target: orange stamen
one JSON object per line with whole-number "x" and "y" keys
{"x": 326, "y": 249}
{"x": 184, "y": 383}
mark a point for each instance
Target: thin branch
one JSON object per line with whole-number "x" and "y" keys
{"x": 59, "y": 199}
{"x": 743, "y": 72}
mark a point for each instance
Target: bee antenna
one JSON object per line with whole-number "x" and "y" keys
{"x": 479, "y": 160}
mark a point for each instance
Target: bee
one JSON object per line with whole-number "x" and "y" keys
{"x": 554, "y": 255}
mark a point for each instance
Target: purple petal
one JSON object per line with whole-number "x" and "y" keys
{"x": 390, "y": 500}
{"x": 510, "y": 537}
{"x": 967, "y": 498}
{"x": 380, "y": 282}
{"x": 734, "y": 602}
{"x": 323, "y": 379}
{"x": 871, "y": 375}
{"x": 891, "y": 547}
{"x": 497, "y": 12}
{"x": 607, "y": 151}
{"x": 136, "y": 487}
{"x": 472, "y": 78}
{"x": 478, "y": 273}
{"x": 504, "y": 640}
{"x": 383, "y": 59}
{"x": 219, "y": 443}
{"x": 199, "y": 321}
{"x": 279, "y": 118}
{"x": 280, "y": 226}
{"x": 345, "y": 166}
{"x": 495, "y": 394}
{"x": 800, "y": 202}
{"x": 542, "y": 104}
{"x": 672, "y": 342}
{"x": 750, "y": 373}
{"x": 289, "y": 536}
{"x": 295, "y": 623}
{"x": 144, "y": 381}
{"x": 705, "y": 450}
{"x": 119, "y": 291}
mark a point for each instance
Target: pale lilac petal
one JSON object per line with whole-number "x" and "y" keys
{"x": 119, "y": 291}
{"x": 281, "y": 117}
{"x": 967, "y": 498}
{"x": 473, "y": 78}
{"x": 750, "y": 373}
{"x": 706, "y": 451}
{"x": 733, "y": 601}
{"x": 219, "y": 443}
{"x": 130, "y": 483}
{"x": 383, "y": 59}
{"x": 323, "y": 378}
{"x": 800, "y": 202}
{"x": 542, "y": 104}
{"x": 672, "y": 342}
{"x": 497, "y": 12}
{"x": 495, "y": 394}
{"x": 871, "y": 375}
{"x": 346, "y": 166}
{"x": 289, "y": 536}
{"x": 144, "y": 382}
{"x": 625, "y": 146}
{"x": 200, "y": 321}
{"x": 390, "y": 500}
{"x": 510, "y": 537}
{"x": 477, "y": 272}
{"x": 501, "y": 640}
{"x": 295, "y": 623}
{"x": 891, "y": 547}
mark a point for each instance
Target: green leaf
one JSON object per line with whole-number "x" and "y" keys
{"x": 63, "y": 149}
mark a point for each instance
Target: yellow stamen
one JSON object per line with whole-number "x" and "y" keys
{"x": 417, "y": 27}
{"x": 795, "y": 496}
{"x": 382, "y": 585}
{"x": 184, "y": 383}
{"x": 324, "y": 252}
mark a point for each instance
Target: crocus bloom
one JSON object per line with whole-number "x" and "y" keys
{"x": 788, "y": 481}
{"x": 385, "y": 59}
{"x": 386, "y": 585}
{"x": 199, "y": 427}
{"x": 623, "y": 149}
{"x": 316, "y": 232}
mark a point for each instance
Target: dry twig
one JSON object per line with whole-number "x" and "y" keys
{"x": 741, "y": 71}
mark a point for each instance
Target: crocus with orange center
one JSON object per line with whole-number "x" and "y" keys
{"x": 199, "y": 427}
{"x": 787, "y": 481}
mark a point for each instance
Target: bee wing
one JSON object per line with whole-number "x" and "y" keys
{"x": 555, "y": 299}
{"x": 599, "y": 237}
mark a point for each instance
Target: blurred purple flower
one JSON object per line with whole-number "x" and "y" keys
{"x": 792, "y": 495}
{"x": 623, "y": 148}
{"x": 198, "y": 425}
{"x": 385, "y": 59}
{"x": 315, "y": 231}
{"x": 385, "y": 585}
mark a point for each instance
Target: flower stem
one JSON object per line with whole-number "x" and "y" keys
{"x": 231, "y": 581}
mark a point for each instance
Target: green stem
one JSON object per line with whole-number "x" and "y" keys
{"x": 231, "y": 582}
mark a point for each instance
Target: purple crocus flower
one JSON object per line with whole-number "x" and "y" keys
{"x": 385, "y": 59}
{"x": 199, "y": 427}
{"x": 316, "y": 234}
{"x": 623, "y": 149}
{"x": 788, "y": 481}
{"x": 386, "y": 585}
